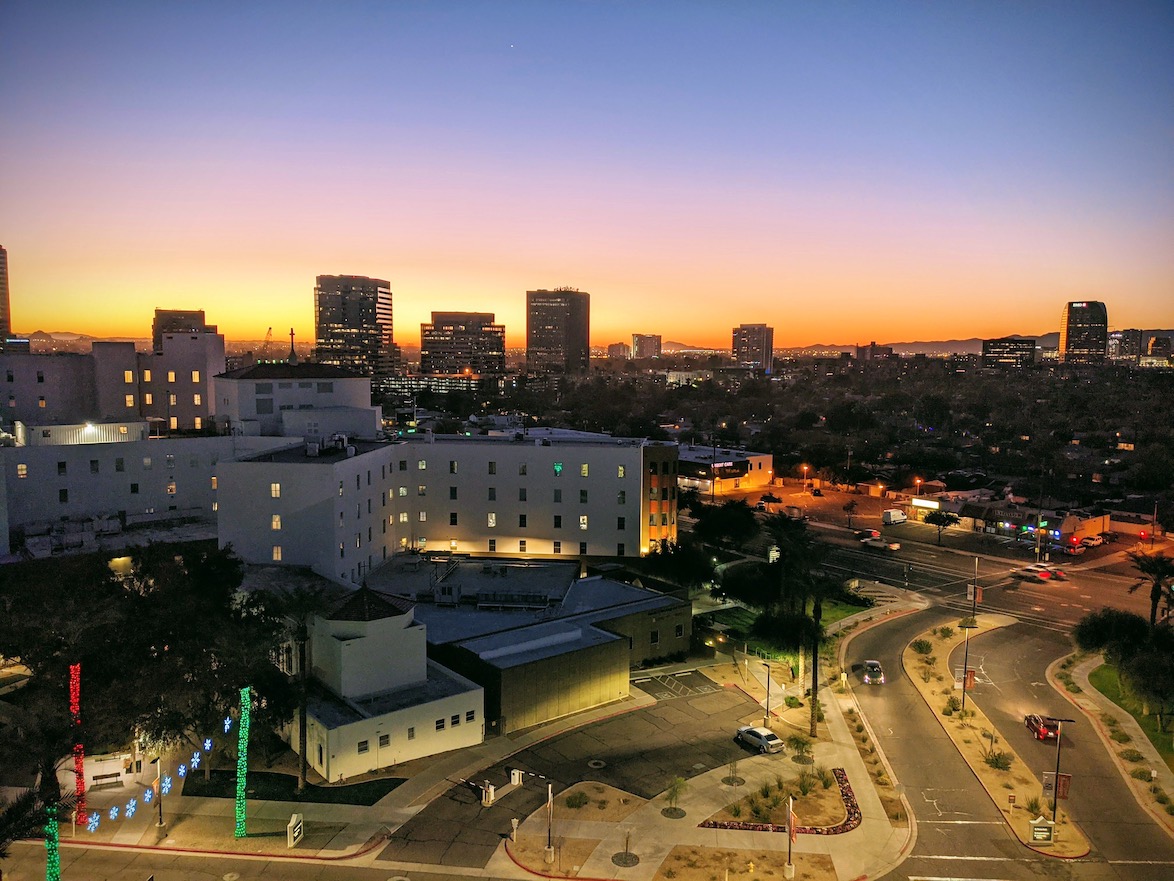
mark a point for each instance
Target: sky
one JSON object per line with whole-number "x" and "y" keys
{"x": 845, "y": 172}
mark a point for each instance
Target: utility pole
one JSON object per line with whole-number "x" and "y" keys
{"x": 967, "y": 627}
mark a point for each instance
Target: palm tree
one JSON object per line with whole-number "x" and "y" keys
{"x": 21, "y": 817}
{"x": 1156, "y": 570}
{"x": 299, "y": 605}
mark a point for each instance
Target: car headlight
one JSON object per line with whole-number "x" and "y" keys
{"x": 867, "y": 679}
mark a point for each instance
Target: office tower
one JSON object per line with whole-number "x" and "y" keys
{"x": 1159, "y": 347}
{"x": 619, "y": 352}
{"x": 1008, "y": 352}
{"x": 462, "y": 342}
{"x": 558, "y": 330}
{"x": 5, "y": 314}
{"x": 177, "y": 321}
{"x": 352, "y": 323}
{"x": 645, "y": 345}
{"x": 1125, "y": 345}
{"x": 753, "y": 346}
{"x": 873, "y": 352}
{"x": 1084, "y": 333}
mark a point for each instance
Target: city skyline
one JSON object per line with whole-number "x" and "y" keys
{"x": 841, "y": 173}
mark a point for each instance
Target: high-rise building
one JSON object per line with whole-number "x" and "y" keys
{"x": 873, "y": 352}
{"x": 352, "y": 323}
{"x": 462, "y": 342}
{"x": 5, "y": 313}
{"x": 177, "y": 321}
{"x": 619, "y": 352}
{"x": 1084, "y": 333}
{"x": 753, "y": 346}
{"x": 645, "y": 345}
{"x": 1008, "y": 352}
{"x": 558, "y": 330}
{"x": 1125, "y": 345}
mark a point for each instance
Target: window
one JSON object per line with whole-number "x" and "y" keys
{"x": 654, "y": 637}
{"x": 403, "y": 516}
{"x": 452, "y": 466}
{"x": 582, "y": 521}
{"x": 129, "y": 400}
{"x": 582, "y": 549}
{"x": 680, "y": 631}
{"x": 169, "y": 461}
{"x": 325, "y": 388}
{"x": 402, "y": 492}
{"x": 22, "y": 471}
{"x": 411, "y": 734}
{"x": 470, "y": 715}
{"x": 384, "y": 740}
{"x": 277, "y": 553}
{"x": 172, "y": 399}
{"x": 147, "y": 378}
{"x": 664, "y": 519}
{"x": 171, "y": 376}
{"x": 423, "y": 516}
{"x": 492, "y": 467}
{"x": 63, "y": 496}
{"x": 583, "y": 470}
{"x": 620, "y": 549}
{"x": 199, "y": 423}
{"x": 422, "y": 489}
{"x": 558, "y": 496}
{"x": 522, "y": 546}
{"x": 41, "y": 402}
{"x": 452, "y": 492}
{"x": 134, "y": 489}
{"x": 491, "y": 519}
{"x": 275, "y": 490}
{"x": 364, "y": 746}
{"x": 214, "y": 481}
{"x": 122, "y": 429}
{"x": 275, "y": 522}
{"x": 174, "y": 424}
{"x": 60, "y": 469}
{"x": 171, "y": 487}
{"x": 11, "y": 377}
{"x": 148, "y": 399}
{"x": 558, "y": 547}
{"x": 403, "y": 464}
{"x": 521, "y": 494}
{"x": 582, "y": 497}
{"x": 439, "y": 724}
{"x": 422, "y": 465}
{"x": 452, "y": 518}
{"x": 492, "y": 545}
{"x": 93, "y": 466}
{"x": 558, "y": 469}
{"x": 522, "y": 520}
{"x": 40, "y": 376}
{"x": 621, "y": 498}
{"x": 493, "y": 493}
{"x": 197, "y": 400}
{"x": 522, "y": 470}
{"x": 455, "y": 720}
{"x": 621, "y": 523}
{"x": 195, "y": 376}
{"x": 558, "y": 521}
{"x": 619, "y": 471}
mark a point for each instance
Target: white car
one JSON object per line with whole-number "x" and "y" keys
{"x": 1092, "y": 541}
{"x": 882, "y": 544}
{"x": 1038, "y": 572}
{"x": 762, "y": 739}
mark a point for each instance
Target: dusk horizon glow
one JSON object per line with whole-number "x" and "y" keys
{"x": 843, "y": 172}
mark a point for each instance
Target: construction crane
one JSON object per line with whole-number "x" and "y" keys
{"x": 265, "y": 345}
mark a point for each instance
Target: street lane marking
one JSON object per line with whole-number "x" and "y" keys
{"x": 950, "y": 878}
{"x": 964, "y": 822}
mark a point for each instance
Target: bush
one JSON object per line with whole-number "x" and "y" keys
{"x": 792, "y": 702}
{"x": 826, "y": 778}
{"x": 859, "y": 727}
{"x": 1033, "y": 806}
{"x": 998, "y": 760}
{"x": 1111, "y": 721}
{"x": 805, "y": 782}
{"x": 1160, "y": 796}
{"x": 576, "y": 800}
{"x": 1132, "y": 755}
{"x": 1140, "y": 774}
{"x": 946, "y": 632}
{"x": 1120, "y": 736}
{"x": 735, "y": 811}
{"x": 953, "y": 705}
{"x": 921, "y": 646}
{"x": 764, "y": 790}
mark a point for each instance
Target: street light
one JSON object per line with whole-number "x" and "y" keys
{"x": 158, "y": 763}
{"x": 1056, "y": 780}
{"x": 917, "y": 480}
{"x": 766, "y": 710}
{"x": 804, "y": 478}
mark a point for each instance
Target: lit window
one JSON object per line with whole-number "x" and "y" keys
{"x": 130, "y": 400}
{"x": 216, "y": 506}
{"x": 277, "y": 553}
{"x": 422, "y": 465}
{"x": 146, "y": 463}
{"x": 275, "y": 490}
{"x": 275, "y": 522}
{"x": 148, "y": 398}
{"x": 403, "y": 516}
{"x": 402, "y": 492}
{"x": 122, "y": 429}
{"x": 197, "y": 399}
{"x": 423, "y": 516}
{"x": 128, "y": 376}
{"x": 171, "y": 376}
{"x": 452, "y": 466}
{"x": 422, "y": 489}
{"x": 619, "y": 471}
{"x": 199, "y": 422}
{"x": 174, "y": 423}
{"x": 146, "y": 376}
{"x": 583, "y": 470}
{"x": 22, "y": 471}
{"x": 582, "y": 521}
{"x": 41, "y": 402}
{"x": 213, "y": 483}
{"x": 171, "y": 487}
{"x": 195, "y": 376}
{"x": 172, "y": 400}
{"x": 558, "y": 468}
{"x": 491, "y": 519}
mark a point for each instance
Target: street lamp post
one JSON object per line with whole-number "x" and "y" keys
{"x": 804, "y": 478}
{"x": 917, "y": 481}
{"x": 766, "y": 710}
{"x": 158, "y": 763}
{"x": 967, "y": 626}
{"x": 1056, "y": 779}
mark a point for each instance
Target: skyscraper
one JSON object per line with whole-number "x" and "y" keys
{"x": 558, "y": 330}
{"x": 5, "y": 314}
{"x": 646, "y": 345}
{"x": 462, "y": 342}
{"x": 1125, "y": 345}
{"x": 1008, "y": 352}
{"x": 1084, "y": 333}
{"x": 753, "y": 346}
{"x": 352, "y": 324}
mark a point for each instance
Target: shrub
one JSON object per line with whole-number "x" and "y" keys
{"x": 1120, "y": 736}
{"x": 859, "y": 727}
{"x": 1170, "y": 810}
{"x": 967, "y": 622}
{"x": 1111, "y": 721}
{"x": 952, "y": 704}
{"x": 776, "y": 800}
{"x": 805, "y": 782}
{"x": 761, "y": 813}
{"x": 1132, "y": 755}
{"x": 1160, "y": 796}
{"x": 1033, "y": 806}
{"x": 800, "y": 744}
{"x": 1140, "y": 774}
{"x": 764, "y": 790}
{"x": 998, "y": 760}
{"x": 945, "y": 632}
{"x": 576, "y": 800}
{"x": 670, "y": 872}
{"x": 792, "y": 702}
{"x": 602, "y": 804}
{"x": 735, "y": 811}
{"x": 921, "y": 646}
{"x": 826, "y": 778}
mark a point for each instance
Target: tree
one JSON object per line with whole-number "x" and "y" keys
{"x": 678, "y": 786}
{"x": 299, "y": 605}
{"x": 682, "y": 563}
{"x": 942, "y": 520}
{"x": 21, "y": 817}
{"x": 1116, "y": 633}
{"x": 850, "y": 509}
{"x": 1156, "y": 570}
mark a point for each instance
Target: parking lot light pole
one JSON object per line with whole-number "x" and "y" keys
{"x": 1056, "y": 779}
{"x": 158, "y": 763}
{"x": 766, "y": 710}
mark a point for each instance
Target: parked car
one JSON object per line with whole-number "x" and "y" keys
{"x": 1093, "y": 541}
{"x": 1074, "y": 550}
{"x": 881, "y": 544}
{"x": 874, "y": 673}
{"x": 770, "y": 497}
{"x": 867, "y": 533}
{"x": 1041, "y": 727}
{"x": 1110, "y": 537}
{"x": 761, "y": 506}
{"x": 817, "y": 492}
{"x": 893, "y": 516}
{"x": 762, "y": 739}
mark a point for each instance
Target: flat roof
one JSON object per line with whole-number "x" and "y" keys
{"x": 702, "y": 453}
{"x": 333, "y": 712}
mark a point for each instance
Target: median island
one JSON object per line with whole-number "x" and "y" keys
{"x": 1005, "y": 777}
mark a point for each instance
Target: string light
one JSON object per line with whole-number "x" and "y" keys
{"x": 183, "y": 770}
{"x": 114, "y": 813}
{"x": 79, "y": 752}
{"x": 131, "y": 807}
{"x": 92, "y": 824}
{"x": 52, "y": 846}
{"x": 227, "y": 724}
{"x": 148, "y": 794}
{"x": 195, "y": 760}
{"x": 242, "y": 762}
{"x": 208, "y": 744}
{"x": 165, "y": 785}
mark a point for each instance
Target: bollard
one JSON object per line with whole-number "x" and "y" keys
{"x": 516, "y": 776}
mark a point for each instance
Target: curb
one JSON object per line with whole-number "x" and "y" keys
{"x": 365, "y": 849}
{"x": 538, "y": 874}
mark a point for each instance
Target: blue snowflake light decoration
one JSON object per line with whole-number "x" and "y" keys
{"x": 183, "y": 770}
{"x": 148, "y": 794}
{"x": 114, "y": 813}
{"x": 131, "y": 807}
{"x": 195, "y": 760}
{"x": 92, "y": 823}
{"x": 227, "y": 723}
{"x": 165, "y": 785}
{"x": 207, "y": 744}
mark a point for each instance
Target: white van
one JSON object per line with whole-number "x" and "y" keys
{"x": 892, "y": 516}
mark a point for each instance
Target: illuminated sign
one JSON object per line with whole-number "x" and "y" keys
{"x": 926, "y": 503}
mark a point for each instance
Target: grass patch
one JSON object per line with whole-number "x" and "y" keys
{"x": 1105, "y": 680}
{"x": 267, "y": 786}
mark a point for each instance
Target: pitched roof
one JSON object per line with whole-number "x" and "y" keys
{"x": 368, "y": 605}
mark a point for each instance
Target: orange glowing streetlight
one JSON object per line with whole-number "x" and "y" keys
{"x": 805, "y": 477}
{"x": 917, "y": 480}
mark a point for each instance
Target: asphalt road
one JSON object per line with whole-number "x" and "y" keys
{"x": 961, "y": 834}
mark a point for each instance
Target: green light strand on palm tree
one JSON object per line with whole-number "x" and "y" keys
{"x": 242, "y": 762}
